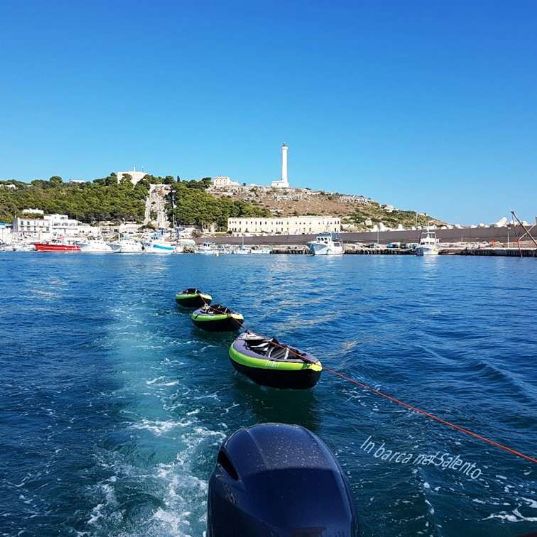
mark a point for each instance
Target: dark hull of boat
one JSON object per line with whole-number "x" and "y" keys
{"x": 219, "y": 325}
{"x": 294, "y": 380}
{"x": 192, "y": 302}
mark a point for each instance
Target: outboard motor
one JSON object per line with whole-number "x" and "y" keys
{"x": 275, "y": 480}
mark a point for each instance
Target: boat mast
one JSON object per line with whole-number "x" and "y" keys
{"x": 528, "y": 231}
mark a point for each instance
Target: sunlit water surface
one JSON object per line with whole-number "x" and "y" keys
{"x": 113, "y": 406}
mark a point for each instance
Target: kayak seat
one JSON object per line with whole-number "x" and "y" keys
{"x": 278, "y": 353}
{"x": 261, "y": 348}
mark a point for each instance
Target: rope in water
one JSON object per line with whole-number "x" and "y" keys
{"x": 413, "y": 408}
{"x": 431, "y": 416}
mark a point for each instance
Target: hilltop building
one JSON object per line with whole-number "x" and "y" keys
{"x": 280, "y": 225}
{"x": 222, "y": 181}
{"x": 284, "y": 181}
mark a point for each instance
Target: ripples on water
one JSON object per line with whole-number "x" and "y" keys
{"x": 112, "y": 406}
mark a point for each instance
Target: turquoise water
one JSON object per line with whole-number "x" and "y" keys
{"x": 113, "y": 406}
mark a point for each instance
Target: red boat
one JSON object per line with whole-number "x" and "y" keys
{"x": 56, "y": 247}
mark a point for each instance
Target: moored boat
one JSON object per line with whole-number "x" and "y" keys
{"x": 260, "y": 250}
{"x": 159, "y": 247}
{"x": 193, "y": 298}
{"x": 326, "y": 244}
{"x": 127, "y": 246}
{"x": 208, "y": 248}
{"x": 54, "y": 246}
{"x": 95, "y": 247}
{"x": 428, "y": 244}
{"x": 217, "y": 318}
{"x": 270, "y": 363}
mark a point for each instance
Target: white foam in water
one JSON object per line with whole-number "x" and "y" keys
{"x": 160, "y": 427}
{"x": 514, "y": 516}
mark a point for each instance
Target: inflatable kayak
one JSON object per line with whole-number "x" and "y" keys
{"x": 271, "y": 363}
{"x": 217, "y": 318}
{"x": 193, "y": 298}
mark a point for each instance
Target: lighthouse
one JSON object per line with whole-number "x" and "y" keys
{"x": 283, "y": 182}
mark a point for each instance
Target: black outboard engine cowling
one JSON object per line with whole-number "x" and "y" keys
{"x": 276, "y": 480}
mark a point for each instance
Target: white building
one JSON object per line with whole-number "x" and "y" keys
{"x": 51, "y": 226}
{"x": 222, "y": 181}
{"x": 33, "y": 212}
{"x": 5, "y": 232}
{"x": 31, "y": 227}
{"x": 136, "y": 177}
{"x": 283, "y": 182}
{"x": 288, "y": 225}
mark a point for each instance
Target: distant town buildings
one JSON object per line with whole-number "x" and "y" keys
{"x": 283, "y": 182}
{"x": 50, "y": 226}
{"x": 290, "y": 225}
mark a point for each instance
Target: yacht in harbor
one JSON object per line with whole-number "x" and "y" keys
{"x": 127, "y": 246}
{"x": 95, "y": 247}
{"x": 326, "y": 244}
{"x": 208, "y": 248}
{"x": 428, "y": 244}
{"x": 159, "y": 247}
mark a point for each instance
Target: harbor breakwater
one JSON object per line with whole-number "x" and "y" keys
{"x": 503, "y": 235}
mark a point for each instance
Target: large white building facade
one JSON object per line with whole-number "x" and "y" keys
{"x": 283, "y": 225}
{"x": 51, "y": 226}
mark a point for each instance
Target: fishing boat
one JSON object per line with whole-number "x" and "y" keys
{"x": 326, "y": 244}
{"x": 428, "y": 244}
{"x": 270, "y": 363}
{"x": 56, "y": 246}
{"x": 217, "y": 318}
{"x": 192, "y": 298}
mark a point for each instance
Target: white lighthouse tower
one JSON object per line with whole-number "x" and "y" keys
{"x": 283, "y": 182}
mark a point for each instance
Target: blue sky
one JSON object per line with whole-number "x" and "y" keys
{"x": 428, "y": 105}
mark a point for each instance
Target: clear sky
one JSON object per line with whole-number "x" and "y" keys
{"x": 425, "y": 104}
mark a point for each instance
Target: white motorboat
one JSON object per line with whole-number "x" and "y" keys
{"x": 127, "y": 246}
{"x": 428, "y": 244}
{"x": 260, "y": 250}
{"x": 242, "y": 250}
{"x": 159, "y": 247}
{"x": 208, "y": 248}
{"x": 95, "y": 247}
{"x": 19, "y": 247}
{"x": 326, "y": 244}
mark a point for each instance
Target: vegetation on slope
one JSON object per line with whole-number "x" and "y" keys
{"x": 102, "y": 199}
{"x": 195, "y": 206}
{"x": 107, "y": 199}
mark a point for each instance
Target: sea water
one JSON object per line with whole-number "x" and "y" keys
{"x": 113, "y": 406}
